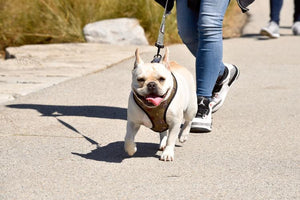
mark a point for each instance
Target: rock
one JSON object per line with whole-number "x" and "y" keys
{"x": 116, "y": 31}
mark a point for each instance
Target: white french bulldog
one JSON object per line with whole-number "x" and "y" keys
{"x": 163, "y": 97}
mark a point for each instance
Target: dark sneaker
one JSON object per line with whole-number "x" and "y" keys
{"x": 203, "y": 121}
{"x": 222, "y": 86}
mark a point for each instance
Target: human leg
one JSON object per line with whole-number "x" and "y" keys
{"x": 209, "y": 65}
{"x": 296, "y": 26}
{"x": 204, "y": 40}
{"x": 297, "y": 11}
{"x": 275, "y": 8}
{"x": 272, "y": 29}
{"x": 187, "y": 25}
{"x": 202, "y": 34}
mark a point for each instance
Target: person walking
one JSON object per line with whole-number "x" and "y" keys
{"x": 200, "y": 25}
{"x": 272, "y": 29}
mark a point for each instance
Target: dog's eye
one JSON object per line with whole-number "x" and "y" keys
{"x": 141, "y": 80}
{"x": 161, "y": 79}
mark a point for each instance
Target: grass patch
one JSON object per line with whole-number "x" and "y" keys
{"x": 54, "y": 21}
{"x": 234, "y": 21}
{"x": 60, "y": 21}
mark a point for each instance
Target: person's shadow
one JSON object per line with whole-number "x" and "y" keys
{"x": 107, "y": 112}
{"x": 113, "y": 152}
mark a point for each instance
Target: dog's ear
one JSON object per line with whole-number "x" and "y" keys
{"x": 166, "y": 58}
{"x": 138, "y": 59}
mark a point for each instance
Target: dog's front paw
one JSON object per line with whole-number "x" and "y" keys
{"x": 130, "y": 148}
{"x": 168, "y": 154}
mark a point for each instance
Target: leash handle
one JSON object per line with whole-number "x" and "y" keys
{"x": 160, "y": 39}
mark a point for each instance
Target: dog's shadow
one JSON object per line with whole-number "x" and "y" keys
{"x": 114, "y": 152}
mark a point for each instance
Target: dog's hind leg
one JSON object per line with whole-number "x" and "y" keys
{"x": 185, "y": 131}
{"x": 189, "y": 115}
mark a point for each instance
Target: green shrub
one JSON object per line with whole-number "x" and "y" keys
{"x": 55, "y": 21}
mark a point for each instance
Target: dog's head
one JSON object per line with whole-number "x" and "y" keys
{"x": 152, "y": 82}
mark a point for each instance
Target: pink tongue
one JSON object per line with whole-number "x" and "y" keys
{"x": 154, "y": 100}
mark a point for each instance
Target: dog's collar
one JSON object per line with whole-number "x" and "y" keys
{"x": 157, "y": 114}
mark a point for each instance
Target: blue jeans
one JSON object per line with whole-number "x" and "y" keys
{"x": 297, "y": 11}
{"x": 201, "y": 32}
{"x": 275, "y": 8}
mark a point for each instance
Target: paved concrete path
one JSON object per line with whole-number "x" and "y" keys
{"x": 35, "y": 67}
{"x": 66, "y": 141}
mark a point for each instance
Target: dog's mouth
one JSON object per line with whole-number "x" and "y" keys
{"x": 152, "y": 99}
{"x": 155, "y": 100}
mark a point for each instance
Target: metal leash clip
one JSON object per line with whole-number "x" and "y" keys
{"x": 156, "y": 59}
{"x": 160, "y": 40}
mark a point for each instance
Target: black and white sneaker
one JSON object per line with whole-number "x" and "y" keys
{"x": 223, "y": 85}
{"x": 203, "y": 120}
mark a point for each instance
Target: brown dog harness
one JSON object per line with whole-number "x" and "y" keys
{"x": 157, "y": 114}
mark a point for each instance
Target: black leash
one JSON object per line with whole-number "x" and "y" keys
{"x": 160, "y": 39}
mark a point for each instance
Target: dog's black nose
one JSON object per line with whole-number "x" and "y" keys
{"x": 151, "y": 86}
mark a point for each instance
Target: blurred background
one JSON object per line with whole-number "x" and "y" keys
{"x": 61, "y": 21}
